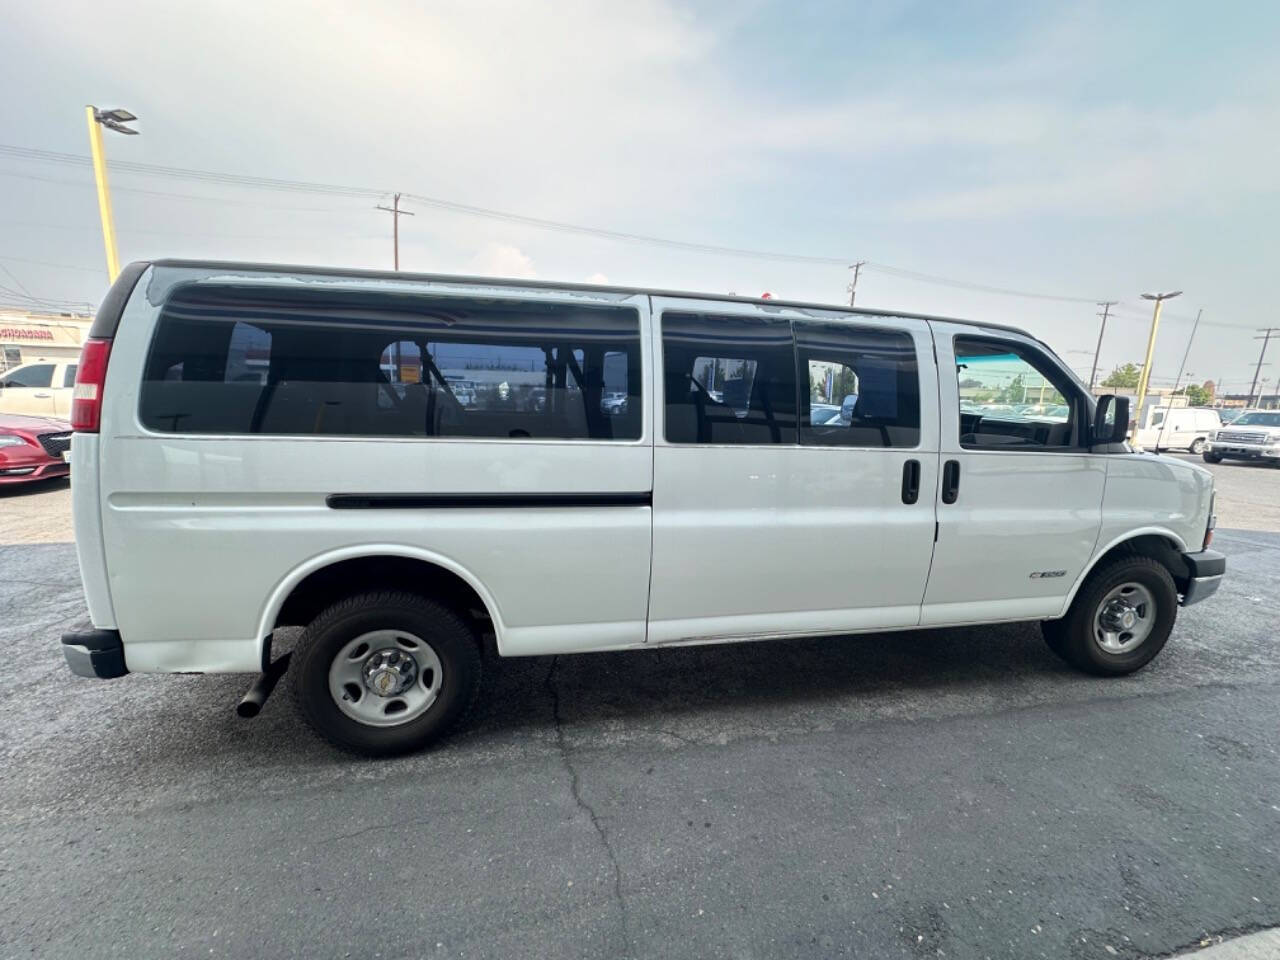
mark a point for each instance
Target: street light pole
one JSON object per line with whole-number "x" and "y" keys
{"x": 1145, "y": 378}
{"x": 115, "y": 120}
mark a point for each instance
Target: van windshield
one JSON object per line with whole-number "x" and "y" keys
{"x": 1259, "y": 418}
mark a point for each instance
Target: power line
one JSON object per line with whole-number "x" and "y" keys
{"x": 983, "y": 288}
{"x": 15, "y": 279}
{"x": 30, "y": 154}
{"x": 47, "y": 263}
{"x": 221, "y": 201}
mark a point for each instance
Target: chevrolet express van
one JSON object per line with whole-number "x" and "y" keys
{"x": 259, "y": 447}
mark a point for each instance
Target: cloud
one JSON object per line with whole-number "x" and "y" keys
{"x": 502, "y": 260}
{"x": 599, "y": 278}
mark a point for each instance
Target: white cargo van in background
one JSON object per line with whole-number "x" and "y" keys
{"x": 411, "y": 467}
{"x": 1178, "y": 428}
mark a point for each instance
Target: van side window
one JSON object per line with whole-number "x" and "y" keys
{"x": 728, "y": 379}
{"x": 234, "y": 360}
{"x": 69, "y": 375}
{"x": 862, "y": 387}
{"x": 1012, "y": 399}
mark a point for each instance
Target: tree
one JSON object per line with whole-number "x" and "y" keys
{"x": 1126, "y": 376}
{"x": 1197, "y": 396}
{"x": 1015, "y": 392}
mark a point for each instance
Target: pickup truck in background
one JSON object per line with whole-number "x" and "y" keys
{"x": 38, "y": 388}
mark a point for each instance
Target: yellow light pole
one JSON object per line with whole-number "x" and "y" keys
{"x": 115, "y": 120}
{"x": 1145, "y": 377}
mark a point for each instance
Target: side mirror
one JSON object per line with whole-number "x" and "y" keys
{"x": 1111, "y": 420}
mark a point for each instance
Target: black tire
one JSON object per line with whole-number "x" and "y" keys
{"x": 1212, "y": 457}
{"x": 448, "y": 636}
{"x": 1197, "y": 445}
{"x": 1073, "y": 637}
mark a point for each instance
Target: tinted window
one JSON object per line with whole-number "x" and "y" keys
{"x": 1011, "y": 398}
{"x": 69, "y": 375}
{"x": 1257, "y": 419}
{"x": 37, "y": 375}
{"x": 860, "y": 387}
{"x": 728, "y": 379}
{"x": 371, "y": 364}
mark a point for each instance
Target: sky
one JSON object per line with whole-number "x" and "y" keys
{"x": 1080, "y": 150}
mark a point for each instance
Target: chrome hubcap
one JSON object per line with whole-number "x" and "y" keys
{"x": 385, "y": 678}
{"x": 1125, "y": 618}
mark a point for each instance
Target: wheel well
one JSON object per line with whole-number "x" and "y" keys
{"x": 1159, "y": 548}
{"x": 326, "y": 586}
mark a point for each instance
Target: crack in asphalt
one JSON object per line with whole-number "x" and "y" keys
{"x": 575, "y": 789}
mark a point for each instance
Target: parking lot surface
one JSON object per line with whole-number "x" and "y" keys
{"x": 956, "y": 793}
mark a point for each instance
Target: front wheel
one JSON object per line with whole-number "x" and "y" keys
{"x": 385, "y": 673}
{"x": 1197, "y": 445}
{"x": 1120, "y": 619}
{"x": 1212, "y": 457}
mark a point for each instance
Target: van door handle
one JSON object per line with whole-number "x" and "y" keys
{"x": 42, "y": 396}
{"x": 911, "y": 481}
{"x": 950, "y": 481}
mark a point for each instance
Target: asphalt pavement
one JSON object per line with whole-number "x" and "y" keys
{"x": 954, "y": 793}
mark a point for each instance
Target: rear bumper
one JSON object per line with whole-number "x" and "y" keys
{"x": 1206, "y": 569}
{"x": 98, "y": 654}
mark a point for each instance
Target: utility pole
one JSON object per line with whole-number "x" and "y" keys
{"x": 857, "y": 272}
{"x": 1145, "y": 378}
{"x": 1265, "y": 338}
{"x": 396, "y": 214}
{"x": 114, "y": 120}
{"x": 1106, "y": 306}
{"x": 1186, "y": 353}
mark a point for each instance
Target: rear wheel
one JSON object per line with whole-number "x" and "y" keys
{"x": 1120, "y": 619}
{"x": 385, "y": 673}
{"x": 1197, "y": 445}
{"x": 1212, "y": 457}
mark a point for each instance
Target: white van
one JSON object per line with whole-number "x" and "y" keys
{"x": 1178, "y": 428}
{"x": 39, "y": 388}
{"x": 259, "y": 447}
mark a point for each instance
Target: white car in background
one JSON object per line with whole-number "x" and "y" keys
{"x": 39, "y": 388}
{"x": 1254, "y": 435}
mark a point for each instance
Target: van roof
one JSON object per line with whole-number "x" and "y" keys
{"x": 134, "y": 270}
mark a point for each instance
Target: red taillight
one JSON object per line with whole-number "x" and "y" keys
{"x": 91, "y": 374}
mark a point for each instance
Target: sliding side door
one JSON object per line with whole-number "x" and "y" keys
{"x": 795, "y": 467}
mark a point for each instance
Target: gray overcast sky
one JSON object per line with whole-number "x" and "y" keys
{"x": 1085, "y": 149}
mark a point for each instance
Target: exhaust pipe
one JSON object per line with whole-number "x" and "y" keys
{"x": 251, "y": 704}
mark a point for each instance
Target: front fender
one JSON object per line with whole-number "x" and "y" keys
{"x": 1104, "y": 550}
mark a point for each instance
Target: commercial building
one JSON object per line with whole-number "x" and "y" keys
{"x": 27, "y": 335}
